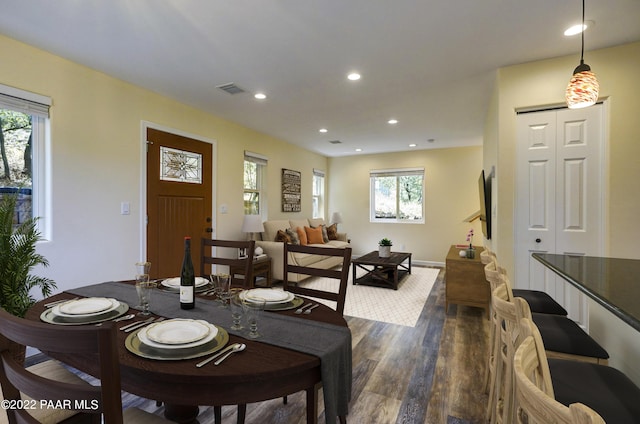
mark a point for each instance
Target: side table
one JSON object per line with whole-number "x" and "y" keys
{"x": 465, "y": 281}
{"x": 261, "y": 269}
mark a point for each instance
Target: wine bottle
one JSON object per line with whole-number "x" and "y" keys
{"x": 187, "y": 278}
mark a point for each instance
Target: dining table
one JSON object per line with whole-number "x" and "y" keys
{"x": 295, "y": 352}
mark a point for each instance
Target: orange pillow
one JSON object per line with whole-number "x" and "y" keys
{"x": 314, "y": 235}
{"x": 302, "y": 236}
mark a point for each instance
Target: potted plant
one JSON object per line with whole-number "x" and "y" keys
{"x": 384, "y": 248}
{"x": 17, "y": 257}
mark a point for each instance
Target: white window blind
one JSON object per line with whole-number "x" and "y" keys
{"x": 24, "y": 101}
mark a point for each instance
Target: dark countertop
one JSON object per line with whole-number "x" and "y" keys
{"x": 613, "y": 283}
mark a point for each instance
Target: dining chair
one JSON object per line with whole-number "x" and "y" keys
{"x": 566, "y": 391}
{"x": 98, "y": 402}
{"x": 226, "y": 253}
{"x": 341, "y": 274}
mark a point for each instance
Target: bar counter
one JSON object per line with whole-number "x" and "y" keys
{"x": 611, "y": 282}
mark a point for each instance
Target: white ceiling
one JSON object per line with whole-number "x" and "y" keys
{"x": 429, "y": 64}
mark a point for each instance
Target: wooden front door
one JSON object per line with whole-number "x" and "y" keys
{"x": 179, "y": 199}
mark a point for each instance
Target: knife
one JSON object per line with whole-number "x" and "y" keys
{"x": 136, "y": 324}
{"x": 143, "y": 323}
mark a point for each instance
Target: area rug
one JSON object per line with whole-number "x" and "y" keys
{"x": 401, "y": 307}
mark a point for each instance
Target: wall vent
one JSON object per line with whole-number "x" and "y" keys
{"x": 230, "y": 88}
{"x": 335, "y": 142}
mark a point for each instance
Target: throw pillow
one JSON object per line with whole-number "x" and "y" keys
{"x": 314, "y": 235}
{"x": 325, "y": 235}
{"x": 302, "y": 236}
{"x": 332, "y": 232}
{"x": 282, "y": 237}
{"x": 293, "y": 235}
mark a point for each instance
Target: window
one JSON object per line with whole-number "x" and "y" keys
{"x": 24, "y": 125}
{"x": 397, "y": 195}
{"x": 318, "y": 193}
{"x": 254, "y": 189}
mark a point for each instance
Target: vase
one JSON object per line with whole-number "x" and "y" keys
{"x": 471, "y": 253}
{"x": 384, "y": 251}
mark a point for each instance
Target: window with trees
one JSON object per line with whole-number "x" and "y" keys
{"x": 23, "y": 135}
{"x": 397, "y": 195}
{"x": 254, "y": 188}
{"x": 318, "y": 193}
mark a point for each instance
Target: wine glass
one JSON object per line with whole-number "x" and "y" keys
{"x": 253, "y": 309}
{"x": 144, "y": 287}
{"x": 223, "y": 284}
{"x": 235, "y": 304}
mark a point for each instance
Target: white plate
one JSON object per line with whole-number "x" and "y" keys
{"x": 270, "y": 295}
{"x": 144, "y": 338}
{"x": 177, "y": 331}
{"x": 86, "y": 307}
{"x": 174, "y": 283}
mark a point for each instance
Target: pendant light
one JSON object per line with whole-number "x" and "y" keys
{"x": 583, "y": 87}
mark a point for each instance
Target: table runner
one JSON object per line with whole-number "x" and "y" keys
{"x": 331, "y": 343}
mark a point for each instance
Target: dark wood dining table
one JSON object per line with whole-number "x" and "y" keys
{"x": 263, "y": 371}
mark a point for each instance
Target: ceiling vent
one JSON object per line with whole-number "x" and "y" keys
{"x": 230, "y": 88}
{"x": 335, "y": 142}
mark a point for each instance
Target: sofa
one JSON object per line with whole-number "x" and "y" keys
{"x": 316, "y": 233}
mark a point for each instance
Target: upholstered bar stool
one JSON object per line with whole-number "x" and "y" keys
{"x": 539, "y": 301}
{"x": 566, "y": 340}
{"x": 603, "y": 389}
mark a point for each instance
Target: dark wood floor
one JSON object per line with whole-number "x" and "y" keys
{"x": 431, "y": 373}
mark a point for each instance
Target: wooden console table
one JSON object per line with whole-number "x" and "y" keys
{"x": 465, "y": 281}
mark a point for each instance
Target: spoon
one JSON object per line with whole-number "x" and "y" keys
{"x": 236, "y": 348}
{"x": 308, "y": 311}
{"x": 122, "y": 318}
{"x": 218, "y": 354}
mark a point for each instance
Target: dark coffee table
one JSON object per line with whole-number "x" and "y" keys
{"x": 382, "y": 272}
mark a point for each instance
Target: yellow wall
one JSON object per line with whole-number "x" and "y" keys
{"x": 451, "y": 186}
{"x": 96, "y": 161}
{"x": 542, "y": 83}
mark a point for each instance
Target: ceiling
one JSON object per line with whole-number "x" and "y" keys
{"x": 428, "y": 64}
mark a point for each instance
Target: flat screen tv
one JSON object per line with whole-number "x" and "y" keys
{"x": 484, "y": 191}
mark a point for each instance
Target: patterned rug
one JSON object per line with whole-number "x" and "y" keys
{"x": 401, "y": 307}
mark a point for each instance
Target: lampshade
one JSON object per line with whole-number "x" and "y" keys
{"x": 336, "y": 218}
{"x": 252, "y": 224}
{"x": 583, "y": 87}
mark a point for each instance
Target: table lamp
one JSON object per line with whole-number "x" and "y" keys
{"x": 252, "y": 224}
{"x": 336, "y": 218}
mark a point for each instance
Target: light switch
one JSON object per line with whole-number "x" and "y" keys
{"x": 124, "y": 208}
{"x": 224, "y": 209}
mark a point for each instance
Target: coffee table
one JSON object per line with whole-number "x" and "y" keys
{"x": 382, "y": 272}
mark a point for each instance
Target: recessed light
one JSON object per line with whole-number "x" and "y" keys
{"x": 412, "y": 145}
{"x": 323, "y": 130}
{"x": 354, "y": 76}
{"x": 392, "y": 121}
{"x": 358, "y": 150}
{"x": 578, "y": 28}
{"x": 260, "y": 96}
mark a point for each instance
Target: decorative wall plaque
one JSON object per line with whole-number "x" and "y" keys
{"x": 291, "y": 182}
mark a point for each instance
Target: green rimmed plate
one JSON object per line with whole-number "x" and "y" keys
{"x": 51, "y": 318}
{"x": 135, "y": 346}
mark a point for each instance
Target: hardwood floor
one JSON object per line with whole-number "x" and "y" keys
{"x": 431, "y": 373}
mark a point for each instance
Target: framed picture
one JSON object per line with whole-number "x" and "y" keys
{"x": 291, "y": 182}
{"x": 242, "y": 253}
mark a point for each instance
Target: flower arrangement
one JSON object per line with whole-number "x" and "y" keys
{"x": 470, "y": 238}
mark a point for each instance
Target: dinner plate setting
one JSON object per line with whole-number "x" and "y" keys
{"x": 173, "y": 285}
{"x": 86, "y": 310}
{"x": 176, "y": 339}
{"x": 275, "y": 300}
